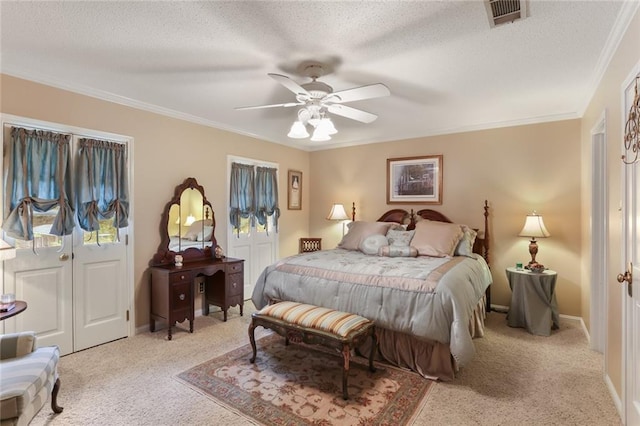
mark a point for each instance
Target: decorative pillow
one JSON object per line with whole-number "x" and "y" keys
{"x": 372, "y": 243}
{"x": 465, "y": 246}
{"x": 399, "y": 238}
{"x": 359, "y": 230}
{"x": 437, "y": 239}
{"x": 205, "y": 234}
{"x": 397, "y": 251}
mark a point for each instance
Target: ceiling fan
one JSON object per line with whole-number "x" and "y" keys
{"x": 317, "y": 99}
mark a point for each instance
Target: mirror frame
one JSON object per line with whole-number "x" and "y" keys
{"x": 164, "y": 256}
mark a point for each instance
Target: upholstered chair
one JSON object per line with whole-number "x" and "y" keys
{"x": 28, "y": 375}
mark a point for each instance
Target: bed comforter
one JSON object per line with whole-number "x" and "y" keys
{"x": 426, "y": 297}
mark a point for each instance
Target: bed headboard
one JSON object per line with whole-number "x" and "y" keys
{"x": 481, "y": 245}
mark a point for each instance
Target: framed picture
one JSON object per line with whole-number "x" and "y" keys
{"x": 414, "y": 180}
{"x": 294, "y": 190}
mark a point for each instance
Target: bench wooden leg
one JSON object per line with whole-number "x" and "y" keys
{"x": 346, "y": 354}
{"x": 54, "y": 398}
{"x": 374, "y": 344}
{"x": 252, "y": 339}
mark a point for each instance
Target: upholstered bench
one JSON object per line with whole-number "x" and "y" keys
{"x": 299, "y": 322}
{"x": 27, "y": 376}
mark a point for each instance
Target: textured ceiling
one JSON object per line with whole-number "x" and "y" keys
{"x": 447, "y": 70}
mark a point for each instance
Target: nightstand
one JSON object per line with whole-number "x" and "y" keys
{"x": 533, "y": 301}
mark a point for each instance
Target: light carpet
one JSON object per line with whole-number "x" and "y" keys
{"x": 515, "y": 379}
{"x": 302, "y": 385}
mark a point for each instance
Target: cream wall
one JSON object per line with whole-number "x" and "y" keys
{"x": 608, "y": 99}
{"x": 517, "y": 169}
{"x": 165, "y": 152}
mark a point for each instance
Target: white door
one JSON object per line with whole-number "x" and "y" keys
{"x": 631, "y": 304}
{"x": 100, "y": 293}
{"x": 77, "y": 293}
{"x": 257, "y": 245}
{"x": 42, "y": 276}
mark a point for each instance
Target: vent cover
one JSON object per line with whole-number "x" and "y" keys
{"x": 504, "y": 11}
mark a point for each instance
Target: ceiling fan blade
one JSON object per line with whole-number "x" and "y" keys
{"x": 370, "y": 91}
{"x": 287, "y": 105}
{"x": 352, "y": 113}
{"x": 290, "y": 84}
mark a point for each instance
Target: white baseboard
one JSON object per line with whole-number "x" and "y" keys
{"x": 614, "y": 395}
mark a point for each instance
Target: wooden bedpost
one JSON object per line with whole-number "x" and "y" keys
{"x": 353, "y": 212}
{"x": 486, "y": 231}
{"x": 486, "y": 251}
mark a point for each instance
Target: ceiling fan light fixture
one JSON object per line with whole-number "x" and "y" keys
{"x": 298, "y": 131}
{"x": 319, "y": 135}
{"x": 327, "y": 125}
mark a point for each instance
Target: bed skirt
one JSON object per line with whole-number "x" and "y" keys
{"x": 430, "y": 359}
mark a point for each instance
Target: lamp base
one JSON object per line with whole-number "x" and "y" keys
{"x": 533, "y": 250}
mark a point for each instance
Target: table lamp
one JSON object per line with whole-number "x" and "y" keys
{"x": 338, "y": 213}
{"x": 534, "y": 228}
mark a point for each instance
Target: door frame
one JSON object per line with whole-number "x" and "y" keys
{"x": 600, "y": 239}
{"x": 9, "y": 119}
{"x": 276, "y": 241}
{"x": 626, "y": 301}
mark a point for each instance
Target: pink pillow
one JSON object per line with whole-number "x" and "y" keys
{"x": 360, "y": 230}
{"x": 437, "y": 239}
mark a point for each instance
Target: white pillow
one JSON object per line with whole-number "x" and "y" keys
{"x": 205, "y": 235}
{"x": 196, "y": 228}
{"x": 372, "y": 243}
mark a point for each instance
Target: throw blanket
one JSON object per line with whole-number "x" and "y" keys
{"x": 426, "y": 297}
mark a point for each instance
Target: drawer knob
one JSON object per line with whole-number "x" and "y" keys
{"x": 182, "y": 296}
{"x": 182, "y": 277}
{"x": 235, "y": 285}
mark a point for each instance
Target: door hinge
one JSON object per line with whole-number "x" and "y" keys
{"x": 126, "y": 240}
{"x": 127, "y": 315}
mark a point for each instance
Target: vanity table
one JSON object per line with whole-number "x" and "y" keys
{"x": 173, "y": 290}
{"x": 187, "y": 229}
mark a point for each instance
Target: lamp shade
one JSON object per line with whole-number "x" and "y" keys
{"x": 337, "y": 213}
{"x": 298, "y": 131}
{"x": 534, "y": 227}
{"x": 6, "y": 251}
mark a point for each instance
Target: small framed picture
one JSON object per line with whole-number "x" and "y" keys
{"x": 294, "y": 190}
{"x": 413, "y": 180}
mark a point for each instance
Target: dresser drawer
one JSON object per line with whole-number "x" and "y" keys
{"x": 235, "y": 284}
{"x": 178, "y": 277}
{"x": 181, "y": 296}
{"x": 234, "y": 268}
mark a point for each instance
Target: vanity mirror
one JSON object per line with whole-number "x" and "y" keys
{"x": 187, "y": 226}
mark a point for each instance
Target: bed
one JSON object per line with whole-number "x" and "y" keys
{"x": 422, "y": 279}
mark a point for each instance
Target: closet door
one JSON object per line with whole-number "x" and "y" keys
{"x": 100, "y": 287}
{"x": 42, "y": 276}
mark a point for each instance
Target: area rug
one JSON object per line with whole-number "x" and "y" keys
{"x": 302, "y": 385}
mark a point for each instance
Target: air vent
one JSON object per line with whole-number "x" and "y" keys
{"x": 504, "y": 11}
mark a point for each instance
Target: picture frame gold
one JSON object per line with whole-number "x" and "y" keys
{"x": 415, "y": 180}
{"x": 294, "y": 190}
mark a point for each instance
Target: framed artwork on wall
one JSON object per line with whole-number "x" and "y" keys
{"x": 294, "y": 190}
{"x": 413, "y": 180}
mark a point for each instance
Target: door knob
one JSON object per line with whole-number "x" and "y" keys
{"x": 64, "y": 257}
{"x": 626, "y": 277}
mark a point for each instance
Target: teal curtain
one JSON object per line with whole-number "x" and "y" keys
{"x": 37, "y": 178}
{"x": 102, "y": 184}
{"x": 266, "y": 196}
{"x": 241, "y": 203}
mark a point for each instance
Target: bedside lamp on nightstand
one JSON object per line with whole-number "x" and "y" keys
{"x": 534, "y": 228}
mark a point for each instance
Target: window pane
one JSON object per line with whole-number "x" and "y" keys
{"x": 106, "y": 234}
{"x": 41, "y": 231}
